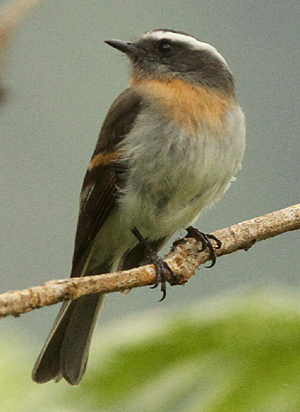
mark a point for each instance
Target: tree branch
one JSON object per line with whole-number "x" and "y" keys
{"x": 10, "y": 17}
{"x": 184, "y": 259}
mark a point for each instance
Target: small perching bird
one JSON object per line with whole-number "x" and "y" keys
{"x": 169, "y": 146}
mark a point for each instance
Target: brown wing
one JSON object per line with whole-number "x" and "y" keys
{"x": 104, "y": 175}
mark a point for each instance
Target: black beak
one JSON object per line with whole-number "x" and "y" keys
{"x": 125, "y": 47}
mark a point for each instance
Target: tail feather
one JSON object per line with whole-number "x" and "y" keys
{"x": 76, "y": 343}
{"x": 65, "y": 352}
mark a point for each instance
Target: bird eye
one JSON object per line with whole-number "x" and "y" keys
{"x": 165, "y": 47}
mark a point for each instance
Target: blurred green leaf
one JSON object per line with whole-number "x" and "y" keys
{"x": 237, "y": 353}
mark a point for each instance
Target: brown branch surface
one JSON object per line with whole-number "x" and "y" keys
{"x": 184, "y": 259}
{"x": 10, "y": 17}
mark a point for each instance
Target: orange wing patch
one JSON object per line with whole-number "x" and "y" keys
{"x": 104, "y": 159}
{"x": 190, "y": 106}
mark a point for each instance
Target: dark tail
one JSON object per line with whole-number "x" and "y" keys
{"x": 66, "y": 350}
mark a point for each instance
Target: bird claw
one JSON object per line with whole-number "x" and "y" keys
{"x": 205, "y": 239}
{"x": 160, "y": 265}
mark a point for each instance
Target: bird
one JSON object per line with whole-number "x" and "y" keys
{"x": 170, "y": 145}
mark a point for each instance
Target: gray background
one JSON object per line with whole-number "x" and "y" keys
{"x": 61, "y": 80}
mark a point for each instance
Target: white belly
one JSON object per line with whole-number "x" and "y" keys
{"x": 173, "y": 176}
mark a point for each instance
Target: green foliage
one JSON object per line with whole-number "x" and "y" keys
{"x": 239, "y": 353}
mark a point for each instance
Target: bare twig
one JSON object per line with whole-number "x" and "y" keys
{"x": 10, "y": 17}
{"x": 183, "y": 259}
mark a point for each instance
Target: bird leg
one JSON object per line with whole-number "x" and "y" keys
{"x": 160, "y": 265}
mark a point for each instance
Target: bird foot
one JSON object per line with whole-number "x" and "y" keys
{"x": 205, "y": 239}
{"x": 160, "y": 265}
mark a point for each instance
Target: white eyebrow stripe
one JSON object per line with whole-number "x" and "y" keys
{"x": 191, "y": 41}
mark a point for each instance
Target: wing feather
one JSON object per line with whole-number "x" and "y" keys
{"x": 104, "y": 176}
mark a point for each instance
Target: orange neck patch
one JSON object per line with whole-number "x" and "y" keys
{"x": 190, "y": 106}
